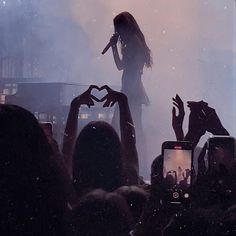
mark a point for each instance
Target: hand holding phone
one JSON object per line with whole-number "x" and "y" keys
{"x": 197, "y": 117}
{"x": 221, "y": 153}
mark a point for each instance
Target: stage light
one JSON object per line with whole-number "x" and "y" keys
{"x": 42, "y": 117}
{"x": 84, "y": 116}
{"x": 101, "y": 116}
{"x": 2, "y": 99}
{"x": 110, "y": 116}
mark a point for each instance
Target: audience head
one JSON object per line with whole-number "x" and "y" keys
{"x": 101, "y": 214}
{"x": 136, "y": 199}
{"x": 32, "y": 199}
{"x": 157, "y": 175}
{"x": 21, "y": 133}
{"x": 97, "y": 159}
{"x": 157, "y": 169}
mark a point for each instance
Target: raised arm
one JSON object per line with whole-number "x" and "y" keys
{"x": 203, "y": 118}
{"x": 201, "y": 161}
{"x": 197, "y": 122}
{"x": 213, "y": 124}
{"x": 128, "y": 139}
{"x": 116, "y": 56}
{"x": 72, "y": 125}
{"x": 177, "y": 120}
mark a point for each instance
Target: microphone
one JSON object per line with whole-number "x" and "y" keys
{"x": 116, "y": 35}
{"x": 106, "y": 48}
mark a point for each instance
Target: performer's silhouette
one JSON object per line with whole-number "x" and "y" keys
{"x": 135, "y": 54}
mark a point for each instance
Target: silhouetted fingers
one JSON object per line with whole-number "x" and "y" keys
{"x": 174, "y": 111}
{"x": 176, "y": 104}
{"x": 91, "y": 87}
{"x": 104, "y": 98}
{"x": 209, "y": 111}
{"x": 203, "y": 151}
{"x": 201, "y": 162}
{"x": 204, "y": 104}
{"x": 178, "y": 99}
{"x": 191, "y": 103}
{"x": 107, "y": 103}
{"x": 112, "y": 104}
{"x": 90, "y": 103}
{"x": 174, "y": 100}
{"x": 94, "y": 98}
{"x": 107, "y": 88}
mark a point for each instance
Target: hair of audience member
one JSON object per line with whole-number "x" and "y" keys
{"x": 156, "y": 174}
{"x": 157, "y": 167}
{"x": 32, "y": 199}
{"x": 97, "y": 160}
{"x": 215, "y": 188}
{"x": 227, "y": 222}
{"x": 136, "y": 199}
{"x": 192, "y": 222}
{"x": 100, "y": 213}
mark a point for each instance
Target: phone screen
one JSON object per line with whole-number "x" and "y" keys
{"x": 177, "y": 165}
{"x": 177, "y": 170}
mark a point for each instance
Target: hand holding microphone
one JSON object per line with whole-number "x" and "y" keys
{"x": 113, "y": 41}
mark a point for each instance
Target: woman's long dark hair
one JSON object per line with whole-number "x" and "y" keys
{"x": 97, "y": 161}
{"x": 126, "y": 20}
{"x": 32, "y": 199}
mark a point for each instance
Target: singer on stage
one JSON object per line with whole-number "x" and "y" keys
{"x": 135, "y": 54}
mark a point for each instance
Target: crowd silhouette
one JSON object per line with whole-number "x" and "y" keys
{"x": 91, "y": 186}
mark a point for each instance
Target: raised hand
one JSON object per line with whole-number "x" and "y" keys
{"x": 197, "y": 121}
{"x": 177, "y": 120}
{"x": 197, "y": 105}
{"x": 114, "y": 39}
{"x": 85, "y": 98}
{"x": 127, "y": 133}
{"x": 197, "y": 117}
{"x": 213, "y": 123}
{"x": 72, "y": 122}
{"x": 201, "y": 161}
{"x": 112, "y": 97}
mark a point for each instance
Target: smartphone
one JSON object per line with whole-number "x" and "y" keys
{"x": 177, "y": 171}
{"x": 221, "y": 153}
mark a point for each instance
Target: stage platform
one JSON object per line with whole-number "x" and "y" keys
{"x": 50, "y": 102}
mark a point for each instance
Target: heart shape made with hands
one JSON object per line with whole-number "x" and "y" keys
{"x": 99, "y": 93}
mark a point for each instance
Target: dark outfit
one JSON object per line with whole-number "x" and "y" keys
{"x": 132, "y": 86}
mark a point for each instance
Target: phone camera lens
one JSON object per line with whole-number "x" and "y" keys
{"x": 186, "y": 195}
{"x": 175, "y": 195}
